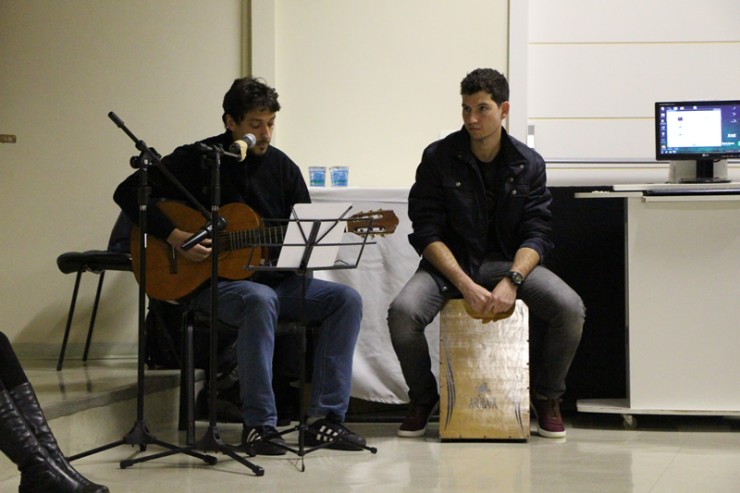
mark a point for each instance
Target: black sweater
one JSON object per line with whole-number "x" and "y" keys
{"x": 270, "y": 184}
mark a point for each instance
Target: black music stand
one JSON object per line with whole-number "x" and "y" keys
{"x": 140, "y": 434}
{"x": 306, "y": 236}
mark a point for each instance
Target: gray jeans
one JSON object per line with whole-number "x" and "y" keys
{"x": 548, "y": 298}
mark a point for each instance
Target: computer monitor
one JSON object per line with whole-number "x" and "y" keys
{"x": 700, "y": 131}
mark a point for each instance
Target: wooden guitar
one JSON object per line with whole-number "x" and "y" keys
{"x": 170, "y": 276}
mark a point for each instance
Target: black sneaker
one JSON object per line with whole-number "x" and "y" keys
{"x": 331, "y": 430}
{"x": 415, "y": 422}
{"x": 262, "y": 440}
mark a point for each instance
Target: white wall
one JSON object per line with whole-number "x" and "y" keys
{"x": 369, "y": 83}
{"x": 595, "y": 69}
{"x": 163, "y": 67}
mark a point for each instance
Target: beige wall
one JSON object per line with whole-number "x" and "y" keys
{"x": 363, "y": 83}
{"x": 368, "y": 84}
{"x": 163, "y": 67}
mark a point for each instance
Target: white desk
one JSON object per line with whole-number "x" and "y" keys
{"x": 384, "y": 269}
{"x": 683, "y": 288}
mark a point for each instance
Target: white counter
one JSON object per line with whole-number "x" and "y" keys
{"x": 682, "y": 270}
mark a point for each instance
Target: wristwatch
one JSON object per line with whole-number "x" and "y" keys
{"x": 515, "y": 277}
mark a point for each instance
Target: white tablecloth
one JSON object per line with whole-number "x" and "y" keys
{"x": 384, "y": 269}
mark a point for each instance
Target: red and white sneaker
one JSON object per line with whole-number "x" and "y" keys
{"x": 549, "y": 421}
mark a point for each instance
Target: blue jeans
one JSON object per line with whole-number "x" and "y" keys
{"x": 255, "y": 309}
{"x": 547, "y": 296}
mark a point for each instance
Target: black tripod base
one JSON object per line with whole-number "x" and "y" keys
{"x": 301, "y": 451}
{"x": 140, "y": 435}
{"x": 212, "y": 442}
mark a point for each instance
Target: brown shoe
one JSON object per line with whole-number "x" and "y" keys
{"x": 415, "y": 423}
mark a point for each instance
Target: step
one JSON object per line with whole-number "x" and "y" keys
{"x": 92, "y": 404}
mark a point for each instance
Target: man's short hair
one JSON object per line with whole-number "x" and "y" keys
{"x": 249, "y": 94}
{"x": 486, "y": 79}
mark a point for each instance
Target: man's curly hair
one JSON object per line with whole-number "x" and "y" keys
{"x": 249, "y": 94}
{"x": 488, "y": 80}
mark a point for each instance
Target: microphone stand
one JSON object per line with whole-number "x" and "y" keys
{"x": 212, "y": 441}
{"x": 139, "y": 433}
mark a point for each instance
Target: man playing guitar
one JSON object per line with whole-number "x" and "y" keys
{"x": 270, "y": 184}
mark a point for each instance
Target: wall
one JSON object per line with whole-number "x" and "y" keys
{"x": 364, "y": 83}
{"x": 368, "y": 84}
{"x": 162, "y": 66}
{"x": 595, "y": 69}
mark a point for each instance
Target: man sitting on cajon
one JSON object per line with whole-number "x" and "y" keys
{"x": 480, "y": 212}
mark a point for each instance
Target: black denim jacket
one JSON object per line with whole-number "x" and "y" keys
{"x": 447, "y": 203}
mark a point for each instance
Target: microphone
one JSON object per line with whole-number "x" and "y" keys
{"x": 203, "y": 233}
{"x": 240, "y": 146}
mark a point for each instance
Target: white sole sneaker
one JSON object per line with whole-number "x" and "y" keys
{"x": 550, "y": 434}
{"x": 418, "y": 433}
{"x": 412, "y": 434}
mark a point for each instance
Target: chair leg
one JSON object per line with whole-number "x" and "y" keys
{"x": 187, "y": 381}
{"x": 92, "y": 317}
{"x": 70, "y": 316}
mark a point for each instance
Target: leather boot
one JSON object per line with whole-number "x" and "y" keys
{"x": 29, "y": 407}
{"x": 39, "y": 472}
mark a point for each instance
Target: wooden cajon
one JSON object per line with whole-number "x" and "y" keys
{"x": 484, "y": 375}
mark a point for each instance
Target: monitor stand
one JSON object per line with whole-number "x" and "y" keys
{"x": 699, "y": 171}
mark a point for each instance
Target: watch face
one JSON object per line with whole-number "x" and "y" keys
{"x": 516, "y": 277}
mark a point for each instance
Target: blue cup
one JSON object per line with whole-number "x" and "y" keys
{"x": 317, "y": 176}
{"x": 339, "y": 176}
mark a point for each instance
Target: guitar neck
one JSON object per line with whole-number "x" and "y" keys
{"x": 250, "y": 238}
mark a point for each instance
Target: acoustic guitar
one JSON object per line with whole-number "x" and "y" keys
{"x": 170, "y": 276}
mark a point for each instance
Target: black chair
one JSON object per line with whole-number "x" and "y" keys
{"x": 117, "y": 258}
{"x": 194, "y": 321}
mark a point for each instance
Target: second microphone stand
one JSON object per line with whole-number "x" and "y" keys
{"x": 211, "y": 440}
{"x": 140, "y": 434}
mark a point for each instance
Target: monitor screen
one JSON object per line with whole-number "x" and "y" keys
{"x": 699, "y": 130}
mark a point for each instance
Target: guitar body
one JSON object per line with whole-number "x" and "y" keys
{"x": 170, "y": 276}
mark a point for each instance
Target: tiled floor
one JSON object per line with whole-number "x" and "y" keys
{"x": 589, "y": 460}
{"x": 663, "y": 454}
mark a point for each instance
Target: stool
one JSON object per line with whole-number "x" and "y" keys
{"x": 484, "y": 375}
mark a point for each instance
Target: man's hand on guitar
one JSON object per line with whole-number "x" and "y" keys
{"x": 197, "y": 253}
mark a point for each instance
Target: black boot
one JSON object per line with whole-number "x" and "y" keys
{"x": 29, "y": 407}
{"x": 39, "y": 472}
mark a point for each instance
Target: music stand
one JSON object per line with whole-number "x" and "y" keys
{"x": 139, "y": 433}
{"x": 311, "y": 243}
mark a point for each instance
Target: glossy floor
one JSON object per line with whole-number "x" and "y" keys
{"x": 663, "y": 454}
{"x": 670, "y": 455}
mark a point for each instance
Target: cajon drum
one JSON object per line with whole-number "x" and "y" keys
{"x": 484, "y": 375}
